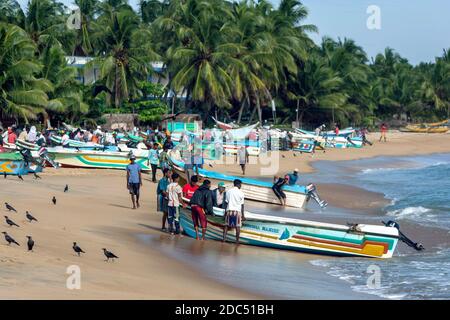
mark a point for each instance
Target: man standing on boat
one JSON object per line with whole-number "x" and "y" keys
{"x": 235, "y": 209}
{"x": 201, "y": 205}
{"x": 134, "y": 180}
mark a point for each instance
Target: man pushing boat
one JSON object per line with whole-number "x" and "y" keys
{"x": 235, "y": 210}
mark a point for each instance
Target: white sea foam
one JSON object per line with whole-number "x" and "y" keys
{"x": 411, "y": 213}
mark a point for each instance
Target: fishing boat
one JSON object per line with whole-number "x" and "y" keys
{"x": 358, "y": 240}
{"x": 14, "y": 163}
{"x": 425, "y": 128}
{"x": 69, "y": 157}
{"x": 257, "y": 190}
{"x": 223, "y": 125}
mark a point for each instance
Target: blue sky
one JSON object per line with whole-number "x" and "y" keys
{"x": 417, "y": 29}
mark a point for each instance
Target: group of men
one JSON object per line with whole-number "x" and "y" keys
{"x": 200, "y": 198}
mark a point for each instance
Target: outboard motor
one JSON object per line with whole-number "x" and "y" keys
{"x": 312, "y": 193}
{"x": 416, "y": 245}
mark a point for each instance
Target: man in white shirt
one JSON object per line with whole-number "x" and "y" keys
{"x": 174, "y": 192}
{"x": 235, "y": 209}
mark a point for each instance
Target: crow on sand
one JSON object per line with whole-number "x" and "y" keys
{"x": 10, "y": 222}
{"x": 9, "y": 239}
{"x": 109, "y": 255}
{"x": 30, "y": 243}
{"x": 9, "y": 207}
{"x": 77, "y": 249}
{"x": 30, "y": 217}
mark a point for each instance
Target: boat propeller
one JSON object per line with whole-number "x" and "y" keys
{"x": 416, "y": 245}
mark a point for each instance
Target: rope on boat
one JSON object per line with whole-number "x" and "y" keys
{"x": 416, "y": 245}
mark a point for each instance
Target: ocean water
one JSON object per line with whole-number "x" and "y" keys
{"x": 419, "y": 190}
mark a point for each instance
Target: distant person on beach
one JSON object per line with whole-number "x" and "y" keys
{"x": 383, "y": 130}
{"x": 292, "y": 177}
{"x": 134, "y": 181}
{"x": 12, "y": 137}
{"x": 190, "y": 188}
{"x": 364, "y": 133}
{"x": 163, "y": 197}
{"x": 174, "y": 192}
{"x": 218, "y": 195}
{"x": 164, "y": 158}
{"x": 242, "y": 157}
{"x": 279, "y": 182}
{"x": 234, "y": 214}
{"x": 201, "y": 205}
{"x": 153, "y": 158}
{"x": 336, "y": 129}
{"x": 168, "y": 144}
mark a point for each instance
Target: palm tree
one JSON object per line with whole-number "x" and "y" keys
{"x": 88, "y": 8}
{"x": 198, "y": 57}
{"x": 67, "y": 96}
{"x": 22, "y": 95}
{"x": 11, "y": 12}
{"x": 124, "y": 52}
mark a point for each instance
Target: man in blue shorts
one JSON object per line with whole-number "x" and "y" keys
{"x": 134, "y": 180}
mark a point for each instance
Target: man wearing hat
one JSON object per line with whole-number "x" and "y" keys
{"x": 292, "y": 177}
{"x": 134, "y": 180}
{"x": 218, "y": 196}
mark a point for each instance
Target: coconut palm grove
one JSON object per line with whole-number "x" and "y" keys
{"x": 230, "y": 59}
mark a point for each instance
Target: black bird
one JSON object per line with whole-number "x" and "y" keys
{"x": 283, "y": 156}
{"x": 54, "y": 200}
{"x": 20, "y": 177}
{"x": 9, "y": 207}
{"x": 209, "y": 164}
{"x": 77, "y": 249}
{"x": 36, "y": 176}
{"x": 30, "y": 243}
{"x": 10, "y": 222}
{"x": 30, "y": 217}
{"x": 66, "y": 188}
{"x": 4, "y": 175}
{"x": 295, "y": 154}
{"x": 109, "y": 255}
{"x": 9, "y": 239}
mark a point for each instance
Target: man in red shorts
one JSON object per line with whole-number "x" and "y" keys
{"x": 189, "y": 188}
{"x": 201, "y": 205}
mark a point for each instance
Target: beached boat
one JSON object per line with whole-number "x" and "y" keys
{"x": 361, "y": 240}
{"x": 425, "y": 129}
{"x": 14, "y": 163}
{"x": 223, "y": 125}
{"x": 69, "y": 157}
{"x": 257, "y": 190}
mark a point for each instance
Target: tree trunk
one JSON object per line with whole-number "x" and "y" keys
{"x": 258, "y": 108}
{"x": 241, "y": 110}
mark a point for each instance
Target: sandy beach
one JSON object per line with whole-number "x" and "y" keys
{"x": 96, "y": 214}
